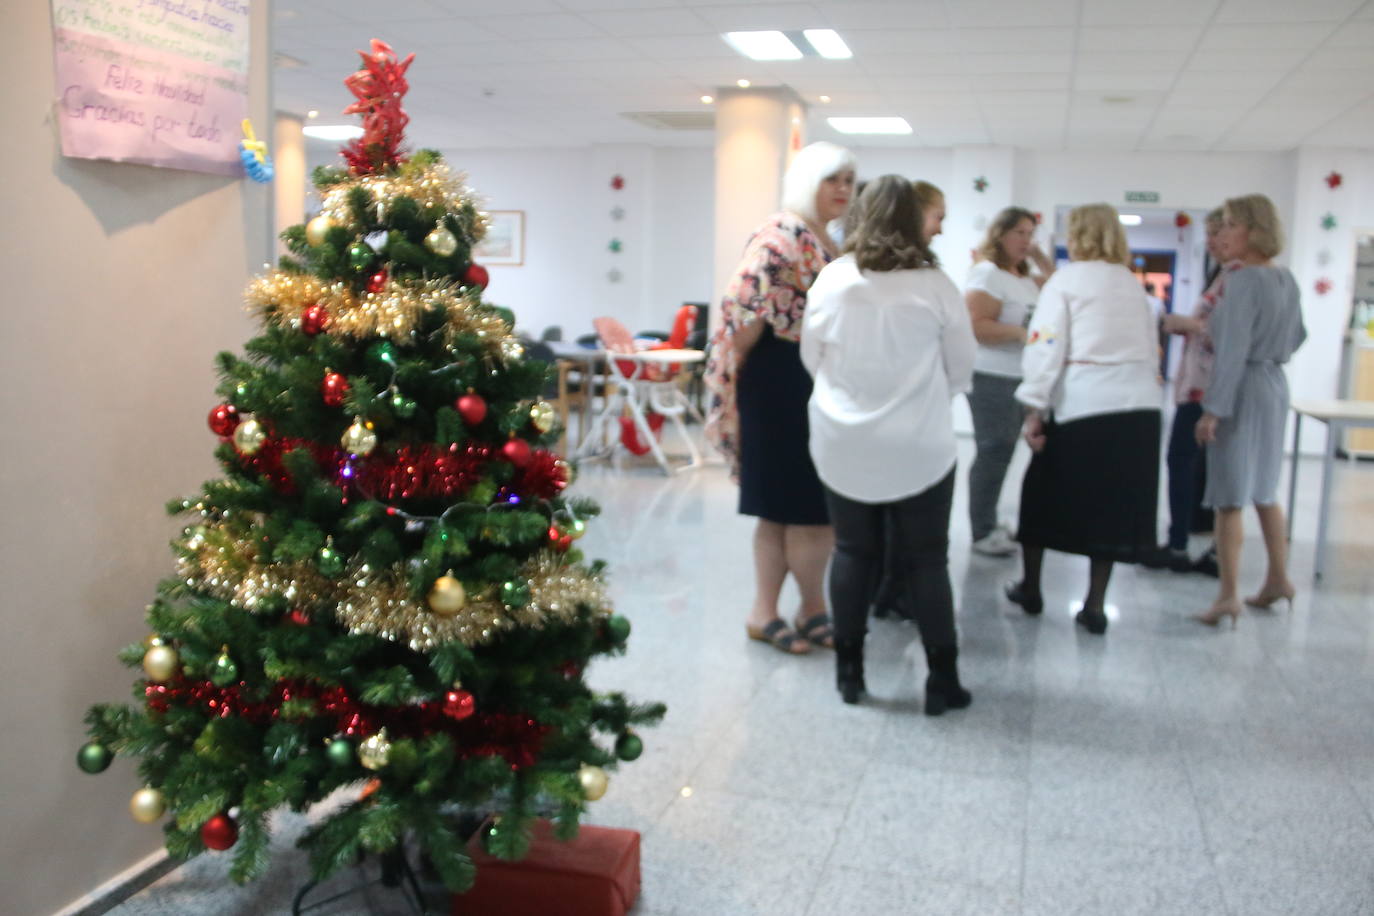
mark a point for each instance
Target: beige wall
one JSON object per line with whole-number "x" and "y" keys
{"x": 121, "y": 282}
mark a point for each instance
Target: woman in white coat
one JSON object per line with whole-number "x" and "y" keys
{"x": 889, "y": 343}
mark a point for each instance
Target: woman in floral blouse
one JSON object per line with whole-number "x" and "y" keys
{"x": 759, "y": 391}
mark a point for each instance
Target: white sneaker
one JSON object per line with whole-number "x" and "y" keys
{"x": 996, "y": 544}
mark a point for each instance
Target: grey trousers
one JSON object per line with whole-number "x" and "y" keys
{"x": 997, "y": 421}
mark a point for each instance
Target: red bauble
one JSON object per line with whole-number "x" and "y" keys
{"x": 298, "y": 618}
{"x": 219, "y": 832}
{"x": 334, "y": 389}
{"x": 472, "y": 408}
{"x": 314, "y": 319}
{"x": 459, "y": 704}
{"x": 517, "y": 452}
{"x": 377, "y": 282}
{"x": 558, "y": 540}
{"x": 223, "y": 419}
{"x": 476, "y": 275}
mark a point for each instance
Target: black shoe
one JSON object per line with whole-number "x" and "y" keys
{"x": 849, "y": 669}
{"x": 1095, "y": 622}
{"x": 943, "y": 690}
{"x": 1179, "y": 561}
{"x": 1016, "y": 594}
{"x": 1207, "y": 564}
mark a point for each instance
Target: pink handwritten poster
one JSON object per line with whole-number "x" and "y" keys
{"x": 158, "y": 82}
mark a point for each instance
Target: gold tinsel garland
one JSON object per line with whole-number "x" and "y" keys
{"x": 394, "y": 312}
{"x": 429, "y": 184}
{"x": 366, "y": 600}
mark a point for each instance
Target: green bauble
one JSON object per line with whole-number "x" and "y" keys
{"x": 360, "y": 255}
{"x": 381, "y": 356}
{"x": 224, "y": 672}
{"x": 340, "y": 752}
{"x": 403, "y": 406}
{"x": 94, "y": 757}
{"x": 515, "y": 593}
{"x": 628, "y": 746}
{"x": 618, "y": 628}
{"x": 329, "y": 563}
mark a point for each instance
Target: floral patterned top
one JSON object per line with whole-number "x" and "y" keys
{"x": 1195, "y": 366}
{"x": 780, "y": 263}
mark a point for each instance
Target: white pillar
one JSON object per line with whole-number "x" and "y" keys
{"x": 289, "y": 185}
{"x": 757, "y": 132}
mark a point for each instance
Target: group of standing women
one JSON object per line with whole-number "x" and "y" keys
{"x": 834, "y": 368}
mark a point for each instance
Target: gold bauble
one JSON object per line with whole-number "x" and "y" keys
{"x": 542, "y": 416}
{"x": 568, "y": 468}
{"x": 594, "y": 781}
{"x": 375, "y": 752}
{"x": 249, "y": 436}
{"x": 511, "y": 349}
{"x": 160, "y": 662}
{"x": 316, "y": 229}
{"x": 147, "y": 805}
{"x": 441, "y": 241}
{"x": 447, "y": 597}
{"x": 358, "y": 439}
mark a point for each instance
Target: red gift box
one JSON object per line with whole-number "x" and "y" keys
{"x": 596, "y": 874}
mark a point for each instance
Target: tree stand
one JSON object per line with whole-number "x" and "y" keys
{"x": 396, "y": 873}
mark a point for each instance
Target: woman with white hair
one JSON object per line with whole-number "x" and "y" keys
{"x": 759, "y": 391}
{"x": 1255, "y": 329}
{"x": 1092, "y": 395}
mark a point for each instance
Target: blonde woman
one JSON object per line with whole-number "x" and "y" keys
{"x": 1000, "y": 294}
{"x": 1092, "y": 416}
{"x": 759, "y": 390}
{"x": 1255, "y": 329}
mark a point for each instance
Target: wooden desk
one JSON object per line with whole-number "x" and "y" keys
{"x": 1338, "y": 416}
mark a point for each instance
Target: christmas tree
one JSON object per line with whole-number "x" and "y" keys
{"x": 384, "y": 588}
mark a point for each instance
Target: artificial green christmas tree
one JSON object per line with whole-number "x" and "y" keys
{"x": 384, "y": 588}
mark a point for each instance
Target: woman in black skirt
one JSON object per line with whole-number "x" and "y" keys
{"x": 759, "y": 390}
{"x": 1092, "y": 393}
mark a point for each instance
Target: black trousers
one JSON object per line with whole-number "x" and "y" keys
{"x": 914, "y": 533}
{"x": 1187, "y": 477}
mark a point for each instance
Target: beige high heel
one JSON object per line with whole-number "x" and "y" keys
{"x": 1265, "y": 599}
{"x": 1214, "y": 615}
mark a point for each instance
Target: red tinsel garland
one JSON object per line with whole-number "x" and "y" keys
{"x": 516, "y": 738}
{"x": 379, "y": 88}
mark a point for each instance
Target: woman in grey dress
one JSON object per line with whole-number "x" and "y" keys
{"x": 1255, "y": 328}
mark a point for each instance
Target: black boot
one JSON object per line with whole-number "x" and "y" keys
{"x": 943, "y": 690}
{"x": 849, "y": 669}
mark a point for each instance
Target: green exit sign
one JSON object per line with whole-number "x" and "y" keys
{"x": 1142, "y": 197}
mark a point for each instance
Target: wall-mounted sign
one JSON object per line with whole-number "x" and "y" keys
{"x": 1142, "y": 197}
{"x": 159, "y": 82}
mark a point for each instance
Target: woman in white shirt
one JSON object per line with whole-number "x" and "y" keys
{"x": 889, "y": 343}
{"x": 1092, "y": 394}
{"x": 1001, "y": 295}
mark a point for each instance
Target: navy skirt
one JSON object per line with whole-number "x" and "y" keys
{"x": 777, "y": 479}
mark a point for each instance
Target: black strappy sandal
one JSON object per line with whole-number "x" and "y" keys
{"x": 816, "y": 630}
{"x": 781, "y": 637}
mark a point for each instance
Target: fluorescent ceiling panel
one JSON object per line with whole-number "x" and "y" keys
{"x": 763, "y": 45}
{"x": 332, "y": 131}
{"x": 870, "y": 125}
{"x": 828, "y": 44}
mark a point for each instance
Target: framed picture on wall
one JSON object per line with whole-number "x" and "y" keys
{"x": 505, "y": 241}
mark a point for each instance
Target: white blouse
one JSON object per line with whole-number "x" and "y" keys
{"x": 888, "y": 350}
{"x": 1017, "y": 295}
{"x": 1093, "y": 345}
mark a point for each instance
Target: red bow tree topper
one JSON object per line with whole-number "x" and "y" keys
{"x": 379, "y": 87}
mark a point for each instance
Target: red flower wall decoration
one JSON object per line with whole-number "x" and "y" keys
{"x": 1333, "y": 181}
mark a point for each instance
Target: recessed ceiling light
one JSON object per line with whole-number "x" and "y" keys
{"x": 707, "y": 100}
{"x": 312, "y": 113}
{"x": 825, "y": 98}
{"x": 1130, "y": 219}
{"x": 763, "y": 45}
{"x": 828, "y": 43}
{"x": 743, "y": 84}
{"x": 870, "y": 125}
{"x": 332, "y": 131}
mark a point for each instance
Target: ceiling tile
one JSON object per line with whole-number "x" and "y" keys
{"x": 750, "y": 17}
{"x": 651, "y": 23}
{"x": 1282, "y": 59}
{"x": 1022, "y": 40}
{"x": 1131, "y": 61}
{"x": 1123, "y": 82}
{"x": 1262, "y": 36}
{"x": 911, "y": 14}
{"x": 1023, "y": 13}
{"x": 1043, "y": 62}
{"x": 1353, "y": 35}
{"x": 577, "y": 6}
{"x": 865, "y": 42}
{"x": 995, "y": 81}
{"x": 1222, "y": 79}
{"x": 1286, "y": 10}
{"x": 547, "y": 25}
{"x": 684, "y": 47}
{"x": 1130, "y": 12}
{"x": 1138, "y": 38}
{"x": 913, "y": 64}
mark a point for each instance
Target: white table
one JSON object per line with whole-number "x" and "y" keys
{"x": 640, "y": 396}
{"x": 1338, "y": 417}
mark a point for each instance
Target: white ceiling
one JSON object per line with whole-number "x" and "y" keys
{"x": 1049, "y": 74}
